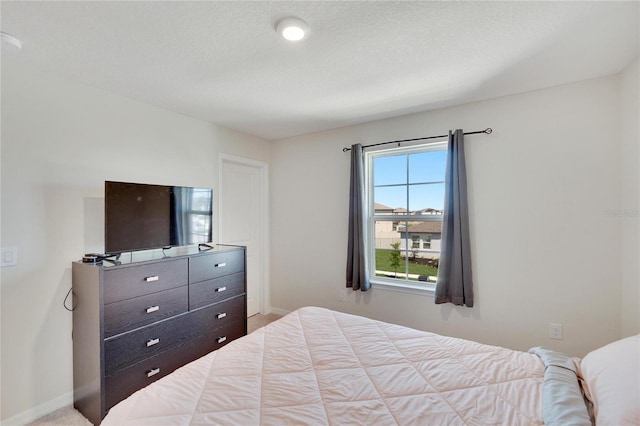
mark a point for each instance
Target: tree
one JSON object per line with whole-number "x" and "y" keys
{"x": 394, "y": 258}
{"x": 414, "y": 252}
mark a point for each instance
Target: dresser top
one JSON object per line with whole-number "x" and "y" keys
{"x": 138, "y": 257}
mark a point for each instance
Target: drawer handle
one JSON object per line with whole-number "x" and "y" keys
{"x": 151, "y": 279}
{"x": 153, "y": 309}
{"x": 220, "y": 265}
{"x": 219, "y": 289}
{"x": 153, "y": 372}
{"x": 222, "y": 315}
{"x": 153, "y": 342}
{"x": 222, "y": 339}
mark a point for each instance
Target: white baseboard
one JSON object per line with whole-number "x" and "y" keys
{"x": 278, "y": 311}
{"x": 40, "y": 411}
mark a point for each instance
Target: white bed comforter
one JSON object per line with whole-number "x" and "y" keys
{"x": 318, "y": 367}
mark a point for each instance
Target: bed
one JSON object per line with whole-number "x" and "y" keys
{"x": 319, "y": 367}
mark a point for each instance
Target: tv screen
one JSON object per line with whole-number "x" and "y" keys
{"x": 141, "y": 216}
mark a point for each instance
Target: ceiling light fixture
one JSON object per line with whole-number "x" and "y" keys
{"x": 292, "y": 29}
{"x": 9, "y": 40}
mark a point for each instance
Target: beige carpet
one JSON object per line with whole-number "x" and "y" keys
{"x": 64, "y": 417}
{"x": 68, "y": 416}
{"x": 256, "y": 321}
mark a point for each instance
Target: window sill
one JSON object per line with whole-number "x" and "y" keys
{"x": 390, "y": 285}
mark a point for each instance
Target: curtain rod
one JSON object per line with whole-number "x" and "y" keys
{"x": 486, "y": 131}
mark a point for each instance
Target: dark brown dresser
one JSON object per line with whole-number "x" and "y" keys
{"x": 138, "y": 320}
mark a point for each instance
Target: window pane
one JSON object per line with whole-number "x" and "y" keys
{"x": 390, "y": 170}
{"x": 428, "y": 234}
{"x": 415, "y": 242}
{"x": 200, "y": 225}
{"x": 387, "y": 234}
{"x": 391, "y": 198}
{"x": 424, "y": 254}
{"x": 423, "y": 269}
{"x": 396, "y": 253}
{"x": 390, "y": 246}
{"x": 426, "y": 199}
{"x": 201, "y": 200}
{"x": 427, "y": 166}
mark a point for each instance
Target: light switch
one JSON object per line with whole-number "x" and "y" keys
{"x": 9, "y": 256}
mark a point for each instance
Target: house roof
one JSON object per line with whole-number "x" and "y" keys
{"x": 430, "y": 209}
{"x": 378, "y": 206}
{"x": 426, "y": 227}
{"x": 381, "y": 207}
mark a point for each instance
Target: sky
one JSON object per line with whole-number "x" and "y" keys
{"x": 425, "y": 176}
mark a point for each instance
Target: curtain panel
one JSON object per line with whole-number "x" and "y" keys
{"x": 357, "y": 274}
{"x": 454, "y": 283}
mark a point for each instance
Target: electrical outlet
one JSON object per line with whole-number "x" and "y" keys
{"x": 342, "y": 295}
{"x": 555, "y": 330}
{"x": 9, "y": 256}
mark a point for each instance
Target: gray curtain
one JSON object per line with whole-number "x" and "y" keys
{"x": 454, "y": 283}
{"x": 357, "y": 276}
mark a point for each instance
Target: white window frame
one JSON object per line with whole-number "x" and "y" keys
{"x": 383, "y": 282}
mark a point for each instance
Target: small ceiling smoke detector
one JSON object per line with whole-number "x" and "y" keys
{"x": 10, "y": 41}
{"x": 292, "y": 29}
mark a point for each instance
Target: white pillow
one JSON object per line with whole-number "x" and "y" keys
{"x": 612, "y": 374}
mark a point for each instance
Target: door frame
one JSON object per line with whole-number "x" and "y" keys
{"x": 265, "y": 288}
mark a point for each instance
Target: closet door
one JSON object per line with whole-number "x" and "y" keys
{"x": 243, "y": 220}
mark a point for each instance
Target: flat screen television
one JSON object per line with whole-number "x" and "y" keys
{"x": 143, "y": 217}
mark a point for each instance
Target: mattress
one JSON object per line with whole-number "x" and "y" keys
{"x": 319, "y": 367}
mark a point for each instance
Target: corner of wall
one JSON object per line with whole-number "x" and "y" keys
{"x": 629, "y": 216}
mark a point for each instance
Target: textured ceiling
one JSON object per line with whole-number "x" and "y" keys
{"x": 224, "y": 63}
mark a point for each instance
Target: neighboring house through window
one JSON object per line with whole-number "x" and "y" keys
{"x": 199, "y": 205}
{"x": 405, "y": 196}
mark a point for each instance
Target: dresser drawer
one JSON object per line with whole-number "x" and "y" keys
{"x": 215, "y": 265}
{"x": 212, "y": 318}
{"x": 221, "y": 336}
{"x": 207, "y": 292}
{"x": 128, "y": 282}
{"x": 129, "y": 314}
{"x": 133, "y": 347}
{"x": 122, "y": 384}
{"x": 217, "y": 338}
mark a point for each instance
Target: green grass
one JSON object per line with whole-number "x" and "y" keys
{"x": 383, "y": 264}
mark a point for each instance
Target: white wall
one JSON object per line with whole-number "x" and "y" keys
{"x": 630, "y": 203}
{"x": 538, "y": 188}
{"x": 60, "y": 142}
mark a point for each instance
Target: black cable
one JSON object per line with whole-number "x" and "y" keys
{"x": 64, "y": 303}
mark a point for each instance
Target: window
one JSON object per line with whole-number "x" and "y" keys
{"x": 416, "y": 241}
{"x": 199, "y": 211}
{"x": 405, "y": 195}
